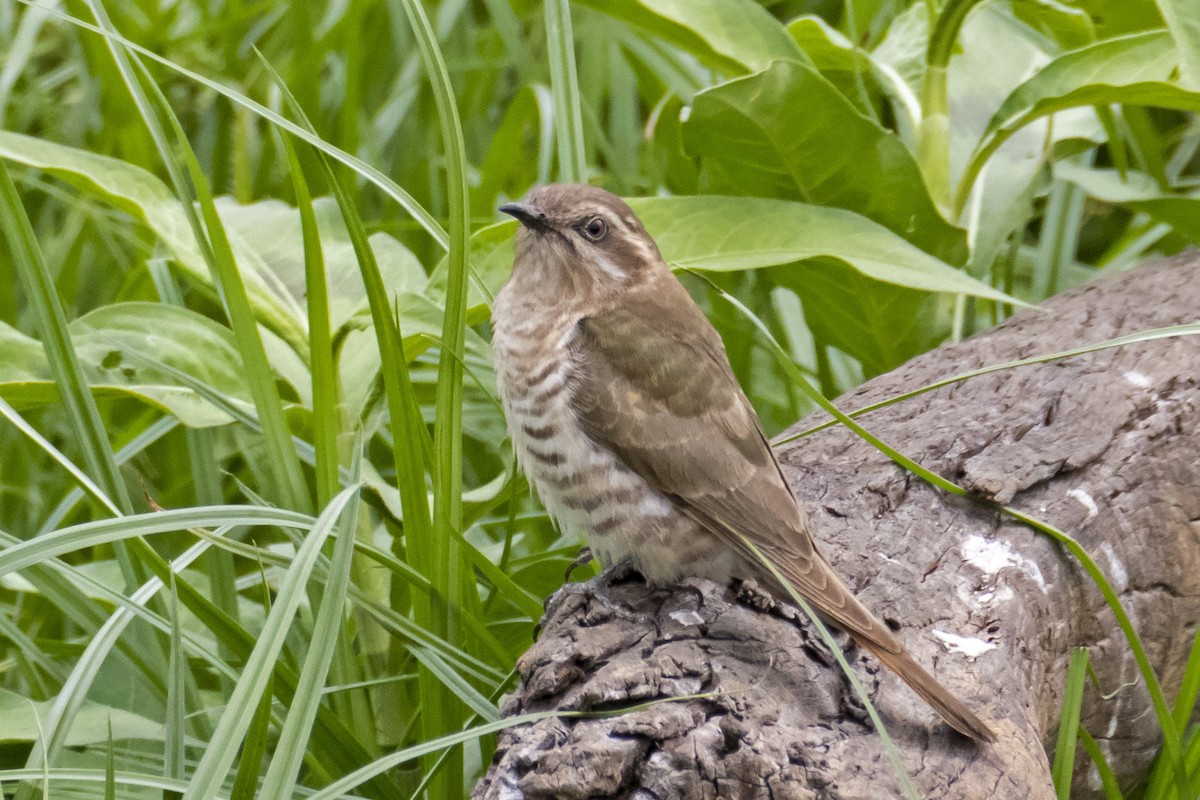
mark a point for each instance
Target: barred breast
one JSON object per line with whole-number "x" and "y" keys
{"x": 585, "y": 488}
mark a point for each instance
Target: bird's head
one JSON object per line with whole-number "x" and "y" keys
{"x": 581, "y": 240}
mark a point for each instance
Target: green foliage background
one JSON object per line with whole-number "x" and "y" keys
{"x": 249, "y": 249}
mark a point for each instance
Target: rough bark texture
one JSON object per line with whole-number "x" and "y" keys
{"x": 1104, "y": 446}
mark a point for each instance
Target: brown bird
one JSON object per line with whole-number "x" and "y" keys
{"x": 626, "y": 415}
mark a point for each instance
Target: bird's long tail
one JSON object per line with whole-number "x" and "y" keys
{"x": 956, "y": 715}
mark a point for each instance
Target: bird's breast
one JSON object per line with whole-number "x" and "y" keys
{"x": 585, "y": 487}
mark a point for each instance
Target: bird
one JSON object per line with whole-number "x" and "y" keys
{"x": 624, "y": 412}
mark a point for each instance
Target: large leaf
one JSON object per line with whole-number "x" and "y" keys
{"x": 1137, "y": 191}
{"x": 737, "y": 36}
{"x": 1183, "y": 19}
{"x": 850, "y": 69}
{"x": 997, "y": 55}
{"x": 117, "y": 346}
{"x": 94, "y": 724}
{"x": 882, "y": 325}
{"x": 1126, "y": 61}
{"x": 770, "y": 135}
{"x": 271, "y": 229}
{"x": 735, "y": 233}
{"x": 1134, "y": 70}
{"x": 1121, "y": 17}
{"x": 1070, "y": 27}
{"x": 144, "y": 196}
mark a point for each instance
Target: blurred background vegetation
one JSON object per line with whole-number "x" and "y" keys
{"x": 249, "y": 250}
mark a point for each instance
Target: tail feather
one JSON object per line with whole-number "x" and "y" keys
{"x": 956, "y": 715}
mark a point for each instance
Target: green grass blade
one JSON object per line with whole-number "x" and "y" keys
{"x": 1189, "y": 688}
{"x": 287, "y": 477}
{"x": 1063, "y": 768}
{"x": 209, "y": 774}
{"x": 280, "y": 781}
{"x": 410, "y": 438}
{"x": 64, "y": 363}
{"x": 906, "y": 784}
{"x": 110, "y": 769}
{"x": 453, "y": 680}
{"x": 331, "y": 746}
{"x": 399, "y": 624}
{"x": 174, "y": 755}
{"x": 135, "y": 446}
{"x": 107, "y": 531}
{"x": 320, "y": 339}
{"x": 74, "y": 691}
{"x": 1141, "y": 336}
{"x": 93, "y": 776}
{"x": 1160, "y": 785}
{"x": 426, "y": 220}
{"x": 1108, "y": 779}
{"x": 85, "y": 483}
{"x": 564, "y": 84}
{"x": 439, "y": 712}
{"x": 1172, "y": 744}
{"x": 245, "y": 781}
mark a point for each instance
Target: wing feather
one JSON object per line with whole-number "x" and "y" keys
{"x": 654, "y": 386}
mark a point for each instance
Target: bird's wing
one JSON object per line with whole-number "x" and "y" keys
{"x": 654, "y": 386}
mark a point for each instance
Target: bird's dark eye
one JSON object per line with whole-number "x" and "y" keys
{"x": 595, "y": 229}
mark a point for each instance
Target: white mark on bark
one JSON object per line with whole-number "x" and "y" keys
{"x": 991, "y": 557}
{"x": 999, "y": 594}
{"x": 968, "y": 646}
{"x": 1138, "y": 379}
{"x": 688, "y": 618}
{"x": 1086, "y": 501}
{"x": 1117, "y": 572}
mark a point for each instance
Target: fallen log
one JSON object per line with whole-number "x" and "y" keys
{"x": 1103, "y": 446}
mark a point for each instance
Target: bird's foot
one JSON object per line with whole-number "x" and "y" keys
{"x": 584, "y": 557}
{"x": 750, "y": 593}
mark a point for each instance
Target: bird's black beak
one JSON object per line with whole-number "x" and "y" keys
{"x": 528, "y": 215}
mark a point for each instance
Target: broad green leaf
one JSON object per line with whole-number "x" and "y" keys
{"x": 1183, "y": 20}
{"x": 880, "y": 324}
{"x": 1121, "y": 17}
{"x": 1069, "y": 26}
{"x": 903, "y": 48}
{"x": 736, "y": 36}
{"x": 1133, "y": 70}
{"x": 146, "y": 198}
{"x": 19, "y": 722}
{"x": 272, "y": 230}
{"x": 768, "y": 135}
{"x": 1127, "y": 61}
{"x": 997, "y": 55}
{"x": 847, "y": 67}
{"x": 118, "y": 345}
{"x": 723, "y": 234}
{"x": 1139, "y": 192}
{"x": 826, "y": 46}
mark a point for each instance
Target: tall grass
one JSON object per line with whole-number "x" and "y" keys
{"x": 259, "y": 512}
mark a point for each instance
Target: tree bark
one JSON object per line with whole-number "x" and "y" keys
{"x": 1103, "y": 446}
